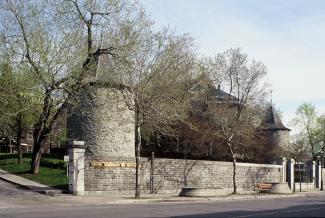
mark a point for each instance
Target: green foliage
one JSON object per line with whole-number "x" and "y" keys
{"x": 5, "y": 156}
{"x": 53, "y": 163}
{"x": 19, "y": 97}
{"x": 53, "y": 171}
{"x": 320, "y": 135}
{"x": 49, "y": 160}
{"x": 311, "y": 128}
{"x": 62, "y": 138}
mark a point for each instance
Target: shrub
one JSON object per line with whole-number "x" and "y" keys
{"x": 48, "y": 160}
{"x": 59, "y": 151}
{"x": 53, "y": 163}
{"x": 7, "y": 156}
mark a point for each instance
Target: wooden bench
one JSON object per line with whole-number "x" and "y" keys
{"x": 264, "y": 187}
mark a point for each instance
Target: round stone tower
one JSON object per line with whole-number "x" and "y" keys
{"x": 103, "y": 119}
{"x": 275, "y": 133}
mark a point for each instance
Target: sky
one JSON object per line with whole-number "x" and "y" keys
{"x": 287, "y": 36}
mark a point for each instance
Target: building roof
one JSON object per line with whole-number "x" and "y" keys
{"x": 272, "y": 121}
{"x": 220, "y": 96}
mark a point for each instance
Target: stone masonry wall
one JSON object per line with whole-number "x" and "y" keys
{"x": 172, "y": 174}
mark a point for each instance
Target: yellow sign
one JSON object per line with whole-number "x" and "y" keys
{"x": 108, "y": 164}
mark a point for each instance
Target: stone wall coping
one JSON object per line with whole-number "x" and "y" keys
{"x": 77, "y": 147}
{"x": 219, "y": 162}
{"x": 259, "y": 165}
{"x": 76, "y": 144}
{"x": 145, "y": 159}
{"x": 92, "y": 157}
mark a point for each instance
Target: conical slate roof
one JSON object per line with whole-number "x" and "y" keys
{"x": 272, "y": 121}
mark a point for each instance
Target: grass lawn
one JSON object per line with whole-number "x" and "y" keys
{"x": 54, "y": 177}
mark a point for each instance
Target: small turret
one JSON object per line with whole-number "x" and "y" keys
{"x": 272, "y": 121}
{"x": 275, "y": 133}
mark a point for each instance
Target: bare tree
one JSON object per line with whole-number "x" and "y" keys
{"x": 60, "y": 42}
{"x": 232, "y": 111}
{"x": 153, "y": 73}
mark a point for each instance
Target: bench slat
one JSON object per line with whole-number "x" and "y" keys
{"x": 264, "y": 187}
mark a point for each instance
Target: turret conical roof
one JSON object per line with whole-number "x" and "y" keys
{"x": 272, "y": 121}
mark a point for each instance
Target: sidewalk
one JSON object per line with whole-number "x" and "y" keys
{"x": 173, "y": 198}
{"x": 145, "y": 198}
{"x": 34, "y": 186}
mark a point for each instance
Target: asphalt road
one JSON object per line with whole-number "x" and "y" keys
{"x": 17, "y": 203}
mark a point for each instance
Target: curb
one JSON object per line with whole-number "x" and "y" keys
{"x": 202, "y": 200}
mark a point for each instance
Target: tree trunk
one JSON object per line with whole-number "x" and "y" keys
{"x": 233, "y": 155}
{"x": 177, "y": 144}
{"x": 19, "y": 133}
{"x": 10, "y": 146}
{"x": 313, "y": 152}
{"x": 36, "y": 158}
{"x": 184, "y": 172}
{"x": 210, "y": 150}
{"x": 158, "y": 140}
{"x": 137, "y": 151}
{"x": 137, "y": 162}
{"x": 39, "y": 141}
{"x": 234, "y": 174}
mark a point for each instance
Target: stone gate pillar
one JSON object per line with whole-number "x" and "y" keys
{"x": 76, "y": 167}
{"x": 292, "y": 174}
{"x": 319, "y": 173}
{"x": 284, "y": 169}
{"x": 314, "y": 174}
{"x": 322, "y": 180}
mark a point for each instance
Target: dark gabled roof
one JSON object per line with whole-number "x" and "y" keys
{"x": 221, "y": 96}
{"x": 272, "y": 121}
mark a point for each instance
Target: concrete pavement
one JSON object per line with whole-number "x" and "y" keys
{"x": 34, "y": 186}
